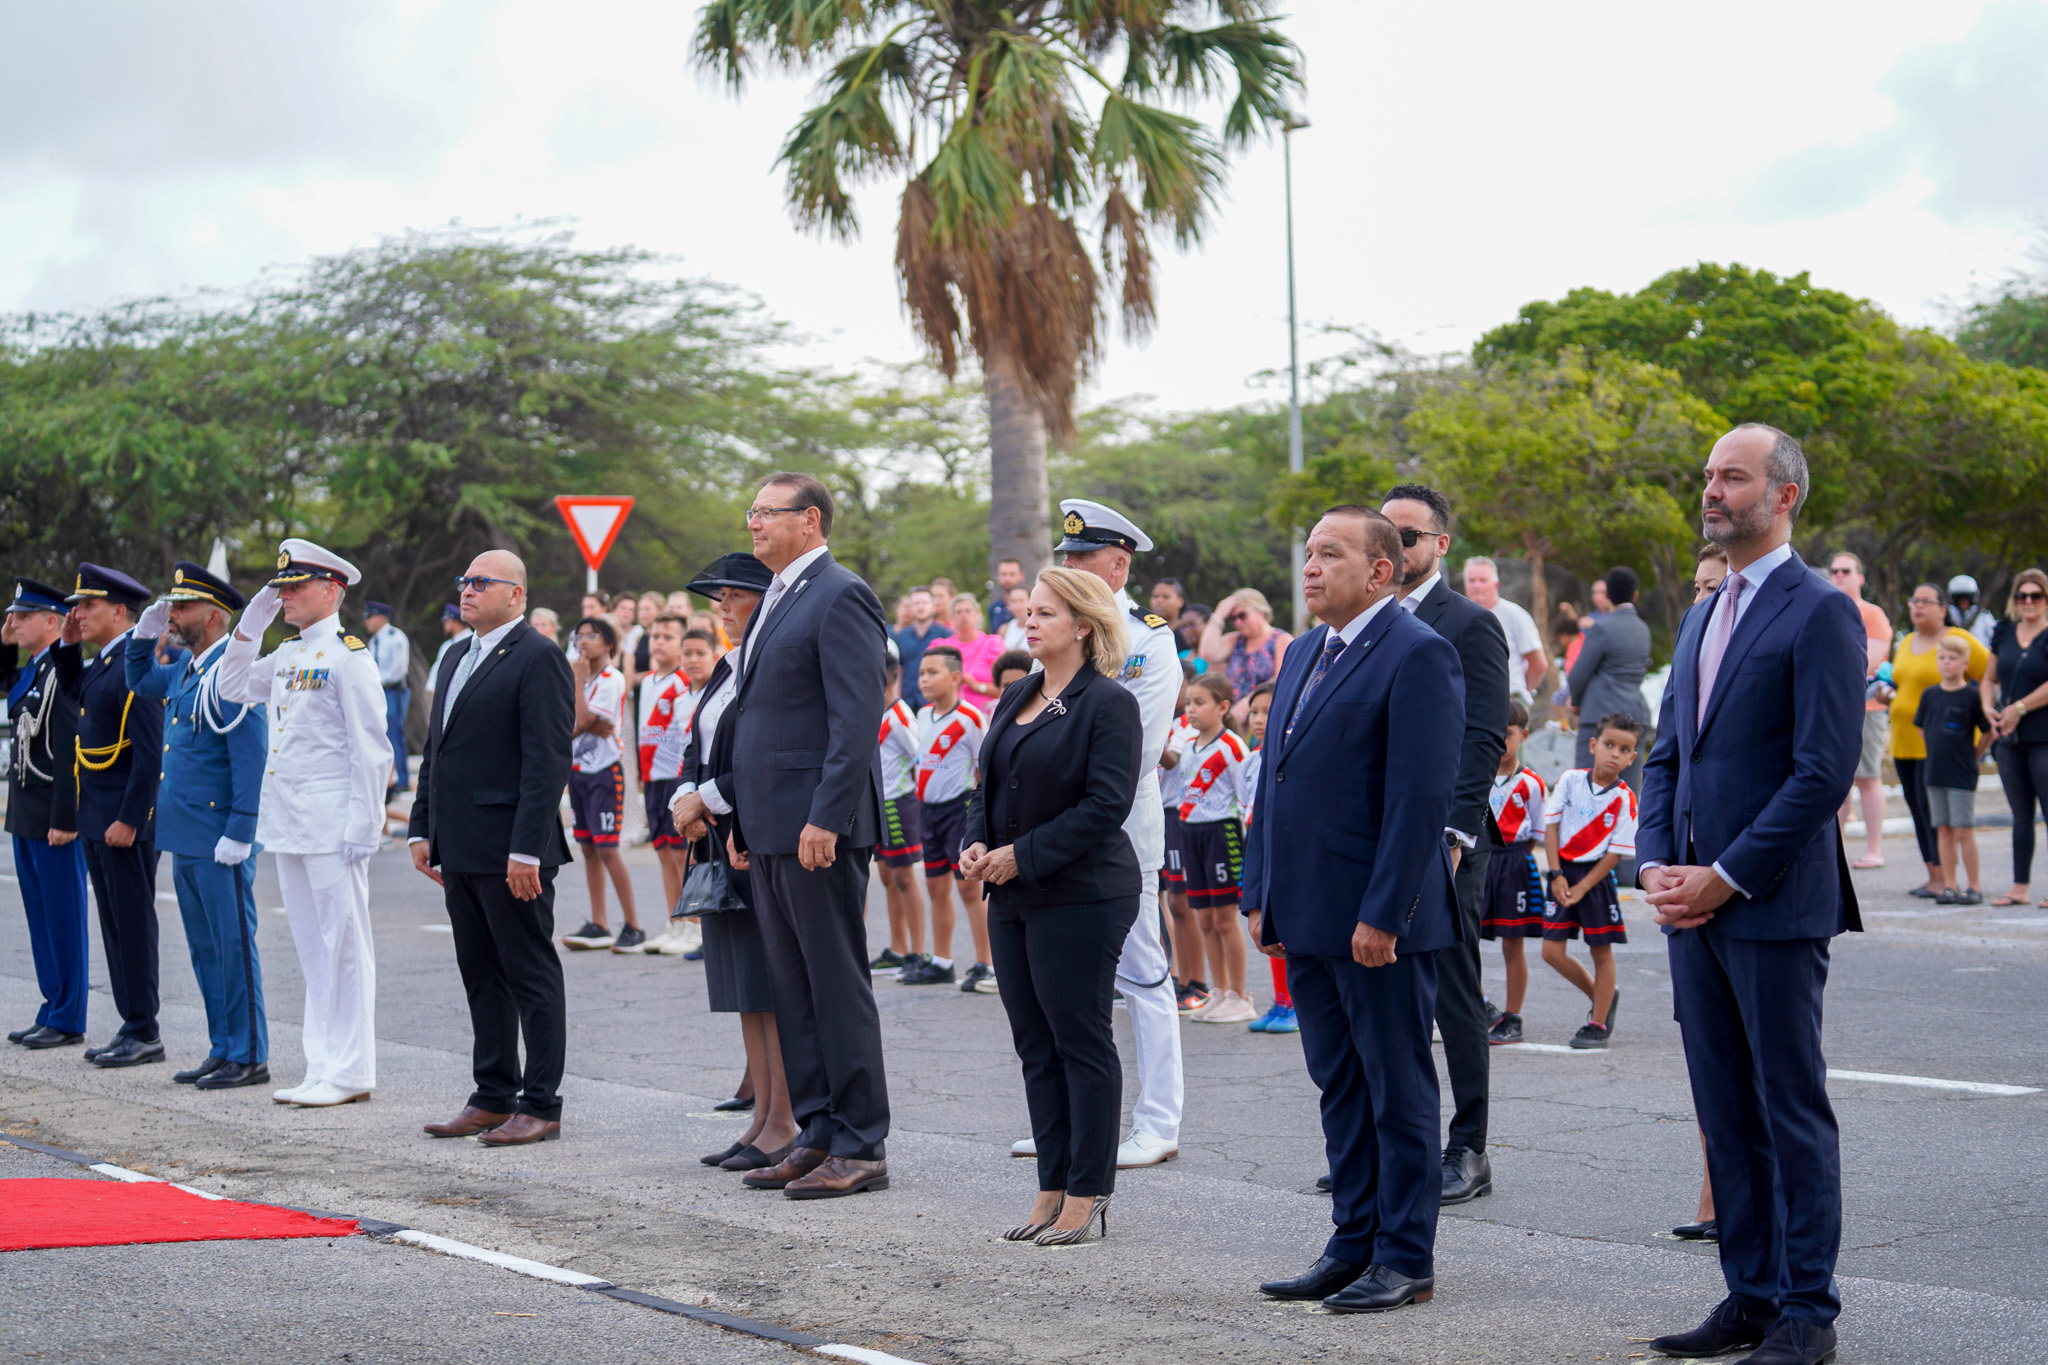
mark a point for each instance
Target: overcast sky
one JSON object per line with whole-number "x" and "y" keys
{"x": 1463, "y": 159}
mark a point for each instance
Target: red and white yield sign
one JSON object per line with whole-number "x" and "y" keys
{"x": 593, "y": 521}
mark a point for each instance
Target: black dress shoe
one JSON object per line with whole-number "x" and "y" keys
{"x": 231, "y": 1075}
{"x": 1793, "y": 1342}
{"x": 1467, "y": 1175}
{"x": 18, "y": 1034}
{"x": 129, "y": 1052}
{"x": 1380, "y": 1290}
{"x": 1726, "y": 1329}
{"x": 735, "y": 1105}
{"x": 1324, "y": 1278}
{"x": 1323, "y": 1182}
{"x": 205, "y": 1068}
{"x": 716, "y": 1157}
{"x": 1706, "y": 1230}
{"x": 49, "y": 1037}
{"x": 752, "y": 1158}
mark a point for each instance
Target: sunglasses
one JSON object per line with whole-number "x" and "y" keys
{"x": 479, "y": 583}
{"x": 1840, "y": 573}
{"x": 2030, "y": 597}
{"x": 1409, "y": 535}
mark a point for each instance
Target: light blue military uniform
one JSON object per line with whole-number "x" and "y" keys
{"x": 213, "y": 755}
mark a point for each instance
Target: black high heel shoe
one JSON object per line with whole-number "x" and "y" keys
{"x": 1063, "y": 1237}
{"x": 716, "y": 1157}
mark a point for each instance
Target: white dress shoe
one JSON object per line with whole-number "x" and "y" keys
{"x": 1144, "y": 1149}
{"x": 1024, "y": 1147}
{"x": 291, "y": 1093}
{"x": 321, "y": 1094}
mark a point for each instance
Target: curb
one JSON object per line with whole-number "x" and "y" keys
{"x": 398, "y": 1233}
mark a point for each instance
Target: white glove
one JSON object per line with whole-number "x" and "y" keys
{"x": 257, "y": 616}
{"x": 154, "y": 619}
{"x": 351, "y": 854}
{"x": 228, "y": 851}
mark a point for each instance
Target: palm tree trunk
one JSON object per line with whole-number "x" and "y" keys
{"x": 1539, "y": 585}
{"x": 1019, "y": 517}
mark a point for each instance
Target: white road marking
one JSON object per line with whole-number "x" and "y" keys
{"x": 1933, "y": 1083}
{"x": 1545, "y": 1047}
{"x": 449, "y": 1247}
{"x": 8, "y": 877}
{"x": 2026, "y": 921}
{"x": 123, "y": 1173}
{"x": 438, "y": 928}
{"x": 862, "y": 1354}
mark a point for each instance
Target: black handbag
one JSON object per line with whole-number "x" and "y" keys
{"x": 707, "y": 891}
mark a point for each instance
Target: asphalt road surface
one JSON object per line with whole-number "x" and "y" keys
{"x": 1595, "y": 1156}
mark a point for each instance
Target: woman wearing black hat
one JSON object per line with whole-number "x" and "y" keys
{"x": 735, "y": 962}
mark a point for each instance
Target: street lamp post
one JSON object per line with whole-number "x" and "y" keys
{"x": 1296, "y": 553}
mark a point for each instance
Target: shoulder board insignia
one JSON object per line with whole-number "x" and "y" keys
{"x": 1156, "y": 622}
{"x": 353, "y": 643}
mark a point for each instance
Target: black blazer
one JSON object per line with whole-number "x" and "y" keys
{"x": 1483, "y": 653}
{"x": 40, "y": 793}
{"x": 491, "y": 782}
{"x": 1063, "y": 798}
{"x": 107, "y": 714}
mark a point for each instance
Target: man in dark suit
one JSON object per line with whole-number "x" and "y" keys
{"x": 117, "y": 753}
{"x": 1756, "y": 748}
{"x": 486, "y": 825}
{"x": 1607, "y": 677}
{"x": 1423, "y": 516}
{"x": 807, "y": 810}
{"x": 1345, "y": 867}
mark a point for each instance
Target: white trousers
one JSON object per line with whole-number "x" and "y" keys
{"x": 327, "y": 903}
{"x": 1145, "y": 977}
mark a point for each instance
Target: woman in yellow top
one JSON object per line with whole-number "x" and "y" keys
{"x": 1914, "y": 671}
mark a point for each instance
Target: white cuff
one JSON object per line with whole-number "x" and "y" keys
{"x": 714, "y": 799}
{"x": 1722, "y": 873}
{"x": 1462, "y": 837}
{"x": 525, "y": 859}
{"x": 417, "y": 839}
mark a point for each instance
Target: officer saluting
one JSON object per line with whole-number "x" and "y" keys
{"x": 323, "y": 808}
{"x": 42, "y": 815}
{"x": 212, "y": 780}
{"x": 1100, "y": 540}
{"x": 115, "y": 763}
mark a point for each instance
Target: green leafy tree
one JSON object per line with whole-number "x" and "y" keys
{"x": 1009, "y": 123}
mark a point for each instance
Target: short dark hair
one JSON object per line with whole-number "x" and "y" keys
{"x": 1518, "y": 715}
{"x": 1018, "y": 659}
{"x": 1173, "y": 583}
{"x": 892, "y": 668}
{"x": 695, "y": 633}
{"x": 1622, "y": 584}
{"x": 809, "y": 493}
{"x": 1009, "y": 559}
{"x": 1712, "y": 551}
{"x": 1619, "y": 720}
{"x": 1377, "y": 529}
{"x": 1439, "y": 506}
{"x": 943, "y": 652}
{"x": 603, "y": 625}
{"x": 669, "y": 618}
{"x": 1201, "y": 609}
{"x": 1264, "y": 689}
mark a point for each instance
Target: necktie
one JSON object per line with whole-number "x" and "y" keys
{"x": 1331, "y": 649}
{"x": 775, "y": 590}
{"x": 462, "y": 672}
{"x": 1717, "y": 640}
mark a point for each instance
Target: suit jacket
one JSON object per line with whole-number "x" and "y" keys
{"x": 126, "y": 789}
{"x": 1483, "y": 655}
{"x": 805, "y": 718}
{"x": 1064, "y": 794}
{"x": 41, "y": 794}
{"x": 1608, "y": 674}
{"x": 1352, "y": 807}
{"x": 1756, "y": 787}
{"x": 491, "y": 779}
{"x": 213, "y": 752}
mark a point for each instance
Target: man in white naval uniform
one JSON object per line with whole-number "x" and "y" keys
{"x": 1101, "y": 541}
{"x": 322, "y": 811}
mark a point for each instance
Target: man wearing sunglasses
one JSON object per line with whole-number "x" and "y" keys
{"x": 322, "y": 812}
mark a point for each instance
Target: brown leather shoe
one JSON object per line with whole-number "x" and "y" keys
{"x": 839, "y": 1175}
{"x": 798, "y": 1164}
{"x": 468, "y": 1123}
{"x": 519, "y": 1130}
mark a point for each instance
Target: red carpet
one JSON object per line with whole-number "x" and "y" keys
{"x": 98, "y": 1213}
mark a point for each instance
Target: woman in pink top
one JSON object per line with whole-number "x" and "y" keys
{"x": 979, "y": 649}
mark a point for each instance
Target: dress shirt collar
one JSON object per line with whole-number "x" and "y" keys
{"x": 492, "y": 640}
{"x": 199, "y": 659}
{"x": 794, "y": 570}
{"x": 1358, "y": 623}
{"x": 322, "y": 628}
{"x": 1412, "y": 600}
{"x": 1763, "y": 566}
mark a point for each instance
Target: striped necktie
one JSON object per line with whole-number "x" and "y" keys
{"x": 1331, "y": 649}
{"x": 462, "y": 671}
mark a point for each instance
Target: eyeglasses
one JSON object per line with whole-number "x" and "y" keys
{"x": 755, "y": 514}
{"x": 1840, "y": 573}
{"x": 1409, "y": 535}
{"x": 478, "y": 582}
{"x": 1925, "y": 602}
{"x": 2030, "y": 597}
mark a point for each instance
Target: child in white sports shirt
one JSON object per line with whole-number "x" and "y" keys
{"x": 1212, "y": 843}
{"x": 902, "y": 846}
{"x": 1511, "y": 908}
{"x": 1589, "y": 824}
{"x": 597, "y": 784}
{"x": 950, "y": 729}
{"x": 1190, "y": 951}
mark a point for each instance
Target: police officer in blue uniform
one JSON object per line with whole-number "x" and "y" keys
{"x": 212, "y": 777}
{"x": 115, "y": 762}
{"x": 42, "y": 815}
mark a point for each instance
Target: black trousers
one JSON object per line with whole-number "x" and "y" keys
{"x": 2023, "y": 768}
{"x": 505, "y": 948}
{"x": 124, "y": 886}
{"x": 1058, "y": 969}
{"x": 1913, "y": 787}
{"x": 814, "y": 927}
{"x": 1460, "y": 1015}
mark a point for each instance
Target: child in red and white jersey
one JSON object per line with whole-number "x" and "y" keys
{"x": 597, "y": 783}
{"x": 1589, "y": 825}
{"x": 1190, "y": 952}
{"x": 902, "y": 846}
{"x": 1212, "y": 843}
{"x": 949, "y": 730}
{"x": 1512, "y": 906}
{"x": 681, "y": 657}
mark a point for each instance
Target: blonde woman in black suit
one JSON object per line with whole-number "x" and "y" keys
{"x": 1045, "y": 832}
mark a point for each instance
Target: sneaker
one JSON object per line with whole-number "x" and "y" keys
{"x": 928, "y": 973}
{"x": 591, "y": 935}
{"x": 1590, "y": 1035}
{"x": 1230, "y": 1008}
{"x": 1279, "y": 1019}
{"x": 630, "y": 939}
{"x": 1192, "y": 997}
{"x": 888, "y": 961}
{"x": 693, "y": 937}
{"x": 1493, "y": 1011}
{"x": 980, "y": 977}
{"x": 1613, "y": 1011}
{"x": 1506, "y": 1029}
{"x": 911, "y": 963}
{"x": 668, "y": 943}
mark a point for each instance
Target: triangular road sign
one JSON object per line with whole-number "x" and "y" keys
{"x": 593, "y": 523}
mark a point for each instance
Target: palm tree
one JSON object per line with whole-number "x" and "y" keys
{"x": 1008, "y": 128}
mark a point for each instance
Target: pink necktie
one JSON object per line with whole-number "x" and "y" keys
{"x": 1717, "y": 640}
